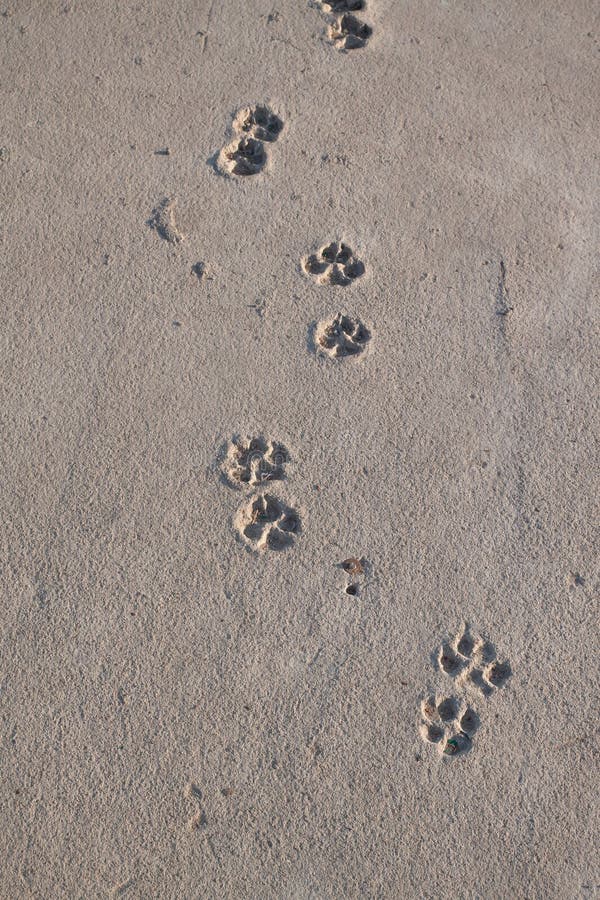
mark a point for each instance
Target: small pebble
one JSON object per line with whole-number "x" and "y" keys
{"x": 353, "y": 566}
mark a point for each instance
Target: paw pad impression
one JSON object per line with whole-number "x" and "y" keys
{"x": 341, "y": 337}
{"x": 346, "y": 31}
{"x": 265, "y": 522}
{"x": 258, "y": 122}
{"x": 254, "y": 461}
{"x": 334, "y": 264}
{"x": 472, "y": 661}
{"x": 449, "y": 723}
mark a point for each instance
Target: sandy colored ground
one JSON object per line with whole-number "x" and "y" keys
{"x": 183, "y": 716}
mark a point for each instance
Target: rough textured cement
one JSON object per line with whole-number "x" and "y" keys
{"x": 184, "y": 716}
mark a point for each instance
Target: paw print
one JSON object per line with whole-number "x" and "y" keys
{"x": 267, "y": 523}
{"x": 448, "y": 723}
{"x": 341, "y": 337}
{"x": 254, "y": 461}
{"x": 347, "y": 32}
{"x": 334, "y": 264}
{"x": 243, "y": 156}
{"x": 472, "y": 661}
{"x": 258, "y": 122}
{"x": 247, "y": 154}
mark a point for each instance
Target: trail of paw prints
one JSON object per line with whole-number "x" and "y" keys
{"x": 449, "y": 723}
{"x": 341, "y": 337}
{"x": 335, "y": 263}
{"x": 345, "y": 30}
{"x": 472, "y": 662}
{"x": 265, "y": 522}
{"x": 246, "y": 154}
{"x": 250, "y": 462}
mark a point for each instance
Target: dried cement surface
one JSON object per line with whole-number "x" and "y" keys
{"x": 280, "y": 290}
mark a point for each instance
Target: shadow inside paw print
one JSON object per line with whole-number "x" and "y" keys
{"x": 473, "y": 661}
{"x": 342, "y": 6}
{"x": 341, "y": 337}
{"x": 347, "y": 32}
{"x": 254, "y": 461}
{"x": 334, "y": 264}
{"x": 243, "y": 156}
{"x": 448, "y": 723}
{"x": 267, "y": 523}
{"x": 258, "y": 122}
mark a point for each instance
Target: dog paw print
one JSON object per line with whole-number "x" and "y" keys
{"x": 258, "y": 122}
{"x": 341, "y": 337}
{"x": 472, "y": 661}
{"x": 246, "y": 154}
{"x": 265, "y": 522}
{"x": 449, "y": 724}
{"x": 346, "y": 32}
{"x": 254, "y": 461}
{"x": 243, "y": 156}
{"x": 334, "y": 264}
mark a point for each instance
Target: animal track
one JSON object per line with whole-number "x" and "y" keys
{"x": 254, "y": 462}
{"x": 163, "y": 221}
{"x": 341, "y": 337}
{"x": 246, "y": 154}
{"x": 472, "y": 661}
{"x": 334, "y": 264}
{"x": 264, "y": 521}
{"x": 259, "y": 122}
{"x": 243, "y": 156}
{"x": 449, "y": 723}
{"x": 200, "y": 271}
{"x": 267, "y": 523}
{"x": 347, "y": 32}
